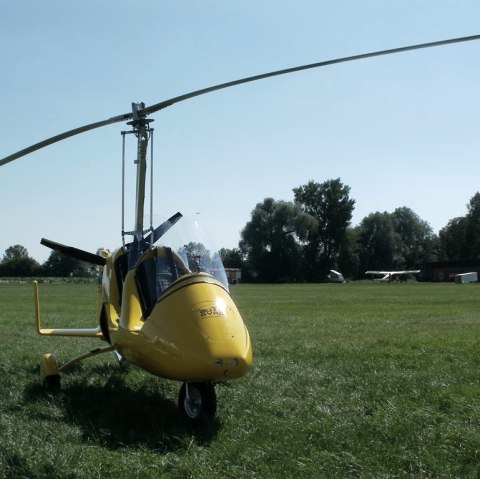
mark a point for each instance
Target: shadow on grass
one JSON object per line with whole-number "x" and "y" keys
{"x": 117, "y": 415}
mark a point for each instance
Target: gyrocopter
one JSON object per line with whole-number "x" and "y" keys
{"x": 165, "y": 310}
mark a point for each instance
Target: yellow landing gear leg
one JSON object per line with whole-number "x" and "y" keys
{"x": 50, "y": 370}
{"x": 50, "y": 373}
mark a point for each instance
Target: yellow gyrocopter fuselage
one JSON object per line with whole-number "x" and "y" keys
{"x": 183, "y": 325}
{"x": 168, "y": 320}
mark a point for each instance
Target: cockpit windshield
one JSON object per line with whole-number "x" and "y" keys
{"x": 184, "y": 249}
{"x": 189, "y": 241}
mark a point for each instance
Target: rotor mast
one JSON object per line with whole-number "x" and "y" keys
{"x": 142, "y": 130}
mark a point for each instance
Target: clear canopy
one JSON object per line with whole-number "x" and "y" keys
{"x": 195, "y": 247}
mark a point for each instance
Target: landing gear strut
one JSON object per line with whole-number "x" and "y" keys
{"x": 197, "y": 401}
{"x": 50, "y": 370}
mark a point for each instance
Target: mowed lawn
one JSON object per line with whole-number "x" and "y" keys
{"x": 349, "y": 380}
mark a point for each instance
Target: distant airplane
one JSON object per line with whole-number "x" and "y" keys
{"x": 389, "y": 276}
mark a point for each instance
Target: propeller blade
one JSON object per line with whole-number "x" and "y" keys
{"x": 74, "y": 252}
{"x": 172, "y": 101}
{"x": 164, "y": 104}
{"x": 159, "y": 231}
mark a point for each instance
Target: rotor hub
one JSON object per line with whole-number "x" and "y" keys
{"x": 139, "y": 116}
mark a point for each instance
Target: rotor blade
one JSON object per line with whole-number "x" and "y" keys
{"x": 159, "y": 231}
{"x": 172, "y": 101}
{"x": 74, "y": 252}
{"x": 63, "y": 136}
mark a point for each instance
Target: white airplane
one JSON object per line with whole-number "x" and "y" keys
{"x": 389, "y": 276}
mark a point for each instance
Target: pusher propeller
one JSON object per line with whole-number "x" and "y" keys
{"x": 139, "y": 114}
{"x": 137, "y": 247}
{"x": 83, "y": 255}
{"x": 74, "y": 252}
{"x": 160, "y": 230}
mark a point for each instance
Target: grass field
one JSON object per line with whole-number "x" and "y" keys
{"x": 355, "y": 380}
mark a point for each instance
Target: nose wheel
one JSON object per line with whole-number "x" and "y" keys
{"x": 197, "y": 401}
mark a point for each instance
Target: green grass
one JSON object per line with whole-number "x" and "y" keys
{"x": 356, "y": 380}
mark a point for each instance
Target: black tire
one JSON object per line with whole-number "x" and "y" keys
{"x": 52, "y": 383}
{"x": 201, "y": 402}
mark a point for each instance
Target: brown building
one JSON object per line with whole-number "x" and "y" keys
{"x": 446, "y": 270}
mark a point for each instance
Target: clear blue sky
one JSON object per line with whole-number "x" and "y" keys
{"x": 401, "y": 130}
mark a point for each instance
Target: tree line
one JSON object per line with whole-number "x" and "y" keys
{"x": 303, "y": 239}
{"x": 16, "y": 262}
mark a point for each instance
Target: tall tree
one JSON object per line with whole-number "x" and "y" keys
{"x": 453, "y": 238}
{"x": 460, "y": 238}
{"x": 17, "y": 262}
{"x": 231, "y": 258}
{"x": 330, "y": 204}
{"x": 398, "y": 240}
{"x": 417, "y": 243}
{"x": 472, "y": 237}
{"x": 271, "y": 240}
{"x": 378, "y": 242}
{"x": 60, "y": 265}
{"x": 348, "y": 256}
{"x": 15, "y": 252}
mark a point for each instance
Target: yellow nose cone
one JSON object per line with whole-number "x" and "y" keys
{"x": 196, "y": 333}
